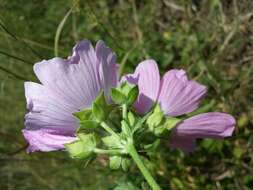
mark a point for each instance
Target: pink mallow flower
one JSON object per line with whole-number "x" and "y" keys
{"x": 67, "y": 86}
{"x": 176, "y": 96}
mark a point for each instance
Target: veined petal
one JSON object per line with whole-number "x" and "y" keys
{"x": 46, "y": 139}
{"x": 47, "y": 109}
{"x": 147, "y": 77}
{"x": 75, "y": 80}
{"x": 68, "y": 85}
{"x": 178, "y": 95}
{"x": 107, "y": 68}
{"x": 206, "y": 125}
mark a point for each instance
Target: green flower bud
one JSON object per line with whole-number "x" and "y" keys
{"x": 156, "y": 118}
{"x": 115, "y": 162}
{"x": 125, "y": 164}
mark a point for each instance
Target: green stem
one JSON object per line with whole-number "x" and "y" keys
{"x": 124, "y": 111}
{"x": 133, "y": 153}
{"x": 109, "y": 130}
{"x": 114, "y": 152}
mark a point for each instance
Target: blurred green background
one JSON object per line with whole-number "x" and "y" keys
{"x": 211, "y": 39}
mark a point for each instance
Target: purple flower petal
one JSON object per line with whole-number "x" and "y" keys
{"x": 206, "y": 125}
{"x": 147, "y": 77}
{"x": 178, "y": 95}
{"x": 77, "y": 83}
{"x": 47, "y": 109}
{"x": 108, "y": 67}
{"x": 68, "y": 85}
{"x": 46, "y": 139}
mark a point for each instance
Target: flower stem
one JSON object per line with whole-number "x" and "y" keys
{"x": 133, "y": 153}
{"x": 124, "y": 111}
{"x": 109, "y": 130}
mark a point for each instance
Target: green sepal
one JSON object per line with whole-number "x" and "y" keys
{"x": 117, "y": 96}
{"x": 76, "y": 149}
{"x": 100, "y": 109}
{"x": 171, "y": 122}
{"x": 115, "y": 162}
{"x": 111, "y": 142}
{"x": 153, "y": 146}
{"x": 125, "y": 164}
{"x": 126, "y": 87}
{"x": 132, "y": 95}
{"x": 125, "y": 94}
{"x": 87, "y": 124}
{"x": 83, "y": 147}
{"x": 156, "y": 118}
{"x": 83, "y": 114}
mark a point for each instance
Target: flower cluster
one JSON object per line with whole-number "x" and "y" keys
{"x": 71, "y": 85}
{"x": 83, "y": 107}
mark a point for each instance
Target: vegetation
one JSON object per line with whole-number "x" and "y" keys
{"x": 211, "y": 39}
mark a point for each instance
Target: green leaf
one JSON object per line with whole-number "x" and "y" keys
{"x": 117, "y": 96}
{"x": 115, "y": 162}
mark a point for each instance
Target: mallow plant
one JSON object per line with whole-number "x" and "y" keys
{"x": 81, "y": 106}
